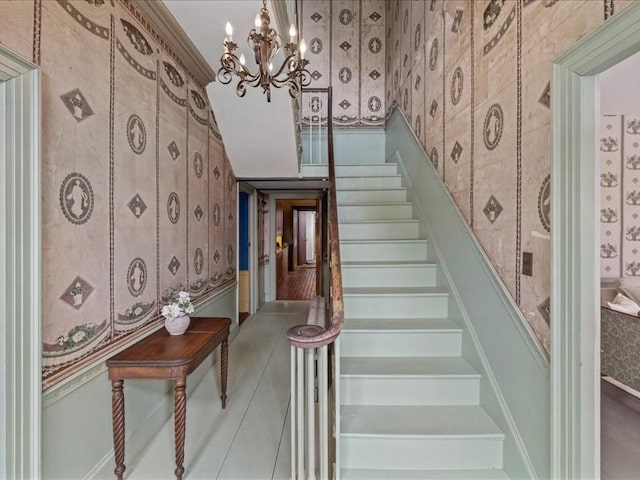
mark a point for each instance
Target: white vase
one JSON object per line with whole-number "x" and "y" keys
{"x": 178, "y": 325}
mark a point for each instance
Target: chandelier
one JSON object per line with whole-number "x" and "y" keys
{"x": 265, "y": 43}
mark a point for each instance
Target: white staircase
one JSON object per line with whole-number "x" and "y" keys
{"x": 409, "y": 403}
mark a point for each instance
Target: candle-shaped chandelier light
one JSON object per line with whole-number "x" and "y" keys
{"x": 265, "y": 43}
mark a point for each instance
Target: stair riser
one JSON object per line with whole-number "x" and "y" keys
{"x": 396, "y": 306}
{"x": 389, "y": 276}
{"x": 379, "y": 231}
{"x": 367, "y": 183}
{"x": 379, "y": 474}
{"x": 366, "y": 170}
{"x": 383, "y": 251}
{"x": 315, "y": 171}
{"x": 375, "y": 212}
{"x": 409, "y": 391}
{"x": 400, "y": 344}
{"x": 370, "y": 196}
{"x": 421, "y": 453}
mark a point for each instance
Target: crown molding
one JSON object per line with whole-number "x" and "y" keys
{"x": 177, "y": 40}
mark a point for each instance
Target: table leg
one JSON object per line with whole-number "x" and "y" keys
{"x": 224, "y": 366}
{"x": 117, "y": 412}
{"x": 180, "y": 415}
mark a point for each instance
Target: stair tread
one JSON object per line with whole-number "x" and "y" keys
{"x": 400, "y": 324}
{"x": 369, "y": 474}
{"x": 406, "y": 366}
{"x": 417, "y": 421}
{"x": 386, "y": 164}
{"x": 388, "y": 291}
{"x": 372, "y": 189}
{"x": 390, "y": 220}
{"x": 386, "y": 240}
{"x": 373, "y": 204}
{"x": 394, "y": 175}
{"x": 389, "y": 263}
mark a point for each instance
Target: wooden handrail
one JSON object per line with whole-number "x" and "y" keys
{"x": 308, "y": 336}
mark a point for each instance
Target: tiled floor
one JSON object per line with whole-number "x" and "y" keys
{"x": 620, "y": 445}
{"x": 250, "y": 439}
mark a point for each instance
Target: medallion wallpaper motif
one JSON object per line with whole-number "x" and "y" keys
{"x": 619, "y": 196}
{"x": 473, "y": 79}
{"x": 139, "y": 196}
{"x": 346, "y": 41}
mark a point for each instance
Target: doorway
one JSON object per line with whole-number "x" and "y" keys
{"x": 244, "y": 288}
{"x": 20, "y": 268}
{"x": 297, "y": 249}
{"x": 575, "y": 293}
{"x": 619, "y": 162}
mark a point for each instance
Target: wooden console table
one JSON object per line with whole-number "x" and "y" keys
{"x": 166, "y": 357}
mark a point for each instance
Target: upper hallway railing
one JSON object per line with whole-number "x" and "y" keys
{"x": 310, "y": 343}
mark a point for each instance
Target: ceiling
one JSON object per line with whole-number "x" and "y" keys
{"x": 259, "y": 137}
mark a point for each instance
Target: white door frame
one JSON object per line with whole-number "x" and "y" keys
{"x": 20, "y": 268}
{"x": 575, "y": 289}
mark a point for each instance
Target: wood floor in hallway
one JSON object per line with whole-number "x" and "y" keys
{"x": 299, "y": 284}
{"x": 251, "y": 438}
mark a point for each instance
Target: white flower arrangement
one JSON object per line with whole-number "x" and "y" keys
{"x": 179, "y": 305}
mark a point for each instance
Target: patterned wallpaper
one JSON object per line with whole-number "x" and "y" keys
{"x": 347, "y": 51}
{"x": 620, "y": 196}
{"x": 139, "y": 196}
{"x": 473, "y": 79}
{"x": 620, "y": 337}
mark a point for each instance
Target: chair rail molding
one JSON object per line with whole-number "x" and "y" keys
{"x": 20, "y": 267}
{"x": 575, "y": 328}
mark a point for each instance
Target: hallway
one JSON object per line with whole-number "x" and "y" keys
{"x": 250, "y": 439}
{"x": 299, "y": 284}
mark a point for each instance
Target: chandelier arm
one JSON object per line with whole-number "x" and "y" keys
{"x": 231, "y": 66}
{"x": 290, "y": 61}
{"x": 299, "y": 75}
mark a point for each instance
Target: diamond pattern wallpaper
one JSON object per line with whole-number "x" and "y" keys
{"x": 133, "y": 207}
{"x": 472, "y": 77}
{"x": 347, "y": 51}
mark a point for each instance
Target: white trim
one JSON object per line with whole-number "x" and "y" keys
{"x": 20, "y": 310}
{"x": 538, "y": 353}
{"x": 575, "y": 329}
{"x": 3, "y": 291}
{"x": 505, "y": 389}
{"x": 536, "y": 348}
{"x": 253, "y": 252}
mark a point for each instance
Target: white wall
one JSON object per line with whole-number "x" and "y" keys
{"x": 619, "y": 91}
